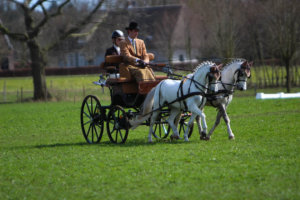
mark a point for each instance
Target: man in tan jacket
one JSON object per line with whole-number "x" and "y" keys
{"x": 135, "y": 56}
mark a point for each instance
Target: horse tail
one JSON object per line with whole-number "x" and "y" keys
{"x": 146, "y": 110}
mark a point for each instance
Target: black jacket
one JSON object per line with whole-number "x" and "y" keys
{"x": 111, "y": 51}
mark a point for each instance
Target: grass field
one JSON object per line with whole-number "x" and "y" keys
{"x": 74, "y": 88}
{"x": 44, "y": 156}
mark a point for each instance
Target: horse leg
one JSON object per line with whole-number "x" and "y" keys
{"x": 201, "y": 132}
{"x": 199, "y": 124}
{"x": 152, "y": 121}
{"x": 177, "y": 119}
{"x": 197, "y": 111}
{"x": 190, "y": 123}
{"x": 217, "y": 122}
{"x": 227, "y": 121}
{"x": 171, "y": 119}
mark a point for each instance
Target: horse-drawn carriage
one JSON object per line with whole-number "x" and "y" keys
{"x": 126, "y": 98}
{"x": 167, "y": 106}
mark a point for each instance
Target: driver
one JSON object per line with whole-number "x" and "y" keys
{"x": 134, "y": 53}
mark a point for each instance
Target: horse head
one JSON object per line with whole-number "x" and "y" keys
{"x": 214, "y": 75}
{"x": 243, "y": 73}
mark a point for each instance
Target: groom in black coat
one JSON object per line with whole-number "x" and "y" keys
{"x": 117, "y": 36}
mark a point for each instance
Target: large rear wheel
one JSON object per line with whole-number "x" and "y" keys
{"x": 92, "y": 118}
{"x": 117, "y": 125}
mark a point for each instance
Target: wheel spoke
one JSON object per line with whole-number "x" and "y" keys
{"x": 116, "y": 136}
{"x": 159, "y": 129}
{"x": 92, "y": 106}
{"x": 88, "y": 132}
{"x": 88, "y": 122}
{"x": 99, "y": 126}
{"x": 92, "y": 134}
{"x": 121, "y": 135}
{"x": 112, "y": 129}
{"x": 96, "y": 132}
{"x": 155, "y": 127}
{"x": 87, "y": 105}
{"x": 87, "y": 115}
{"x": 96, "y": 107}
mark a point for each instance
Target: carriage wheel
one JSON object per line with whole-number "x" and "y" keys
{"x": 92, "y": 118}
{"x": 117, "y": 125}
{"x": 161, "y": 128}
{"x": 183, "y": 124}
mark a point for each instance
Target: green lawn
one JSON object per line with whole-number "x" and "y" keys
{"x": 44, "y": 156}
{"x": 74, "y": 88}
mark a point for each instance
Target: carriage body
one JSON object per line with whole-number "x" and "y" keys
{"x": 126, "y": 98}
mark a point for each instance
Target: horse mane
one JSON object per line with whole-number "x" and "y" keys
{"x": 232, "y": 62}
{"x": 205, "y": 63}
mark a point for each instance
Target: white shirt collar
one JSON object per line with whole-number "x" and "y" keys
{"x": 117, "y": 48}
{"x": 130, "y": 39}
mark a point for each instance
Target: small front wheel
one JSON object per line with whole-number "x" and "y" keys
{"x": 117, "y": 125}
{"x": 161, "y": 128}
{"x": 92, "y": 118}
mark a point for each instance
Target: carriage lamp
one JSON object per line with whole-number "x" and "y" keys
{"x": 102, "y": 82}
{"x": 167, "y": 70}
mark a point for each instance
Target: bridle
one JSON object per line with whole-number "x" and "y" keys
{"x": 241, "y": 72}
{"x": 210, "y": 76}
{"x": 200, "y": 87}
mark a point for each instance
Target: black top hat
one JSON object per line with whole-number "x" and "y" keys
{"x": 133, "y": 26}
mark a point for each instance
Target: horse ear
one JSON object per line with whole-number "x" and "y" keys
{"x": 250, "y": 64}
{"x": 220, "y": 66}
{"x": 245, "y": 63}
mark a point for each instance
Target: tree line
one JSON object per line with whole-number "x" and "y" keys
{"x": 259, "y": 30}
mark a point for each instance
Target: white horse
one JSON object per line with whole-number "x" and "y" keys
{"x": 234, "y": 74}
{"x": 179, "y": 95}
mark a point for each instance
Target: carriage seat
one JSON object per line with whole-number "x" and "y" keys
{"x": 129, "y": 86}
{"x": 111, "y": 62}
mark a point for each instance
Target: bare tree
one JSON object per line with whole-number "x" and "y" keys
{"x": 284, "y": 26}
{"x": 35, "y": 22}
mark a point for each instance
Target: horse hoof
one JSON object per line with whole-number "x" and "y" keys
{"x": 204, "y": 138}
{"x": 174, "y": 137}
{"x": 231, "y": 137}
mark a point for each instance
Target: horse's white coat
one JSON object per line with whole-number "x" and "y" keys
{"x": 166, "y": 92}
{"x": 229, "y": 78}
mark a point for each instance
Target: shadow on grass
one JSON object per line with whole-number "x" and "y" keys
{"x": 143, "y": 142}
{"x": 128, "y": 143}
{"x": 59, "y": 145}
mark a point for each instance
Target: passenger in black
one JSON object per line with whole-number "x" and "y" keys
{"x": 117, "y": 36}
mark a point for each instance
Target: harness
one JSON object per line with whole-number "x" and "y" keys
{"x": 199, "y": 86}
{"x": 209, "y": 96}
{"x": 181, "y": 96}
